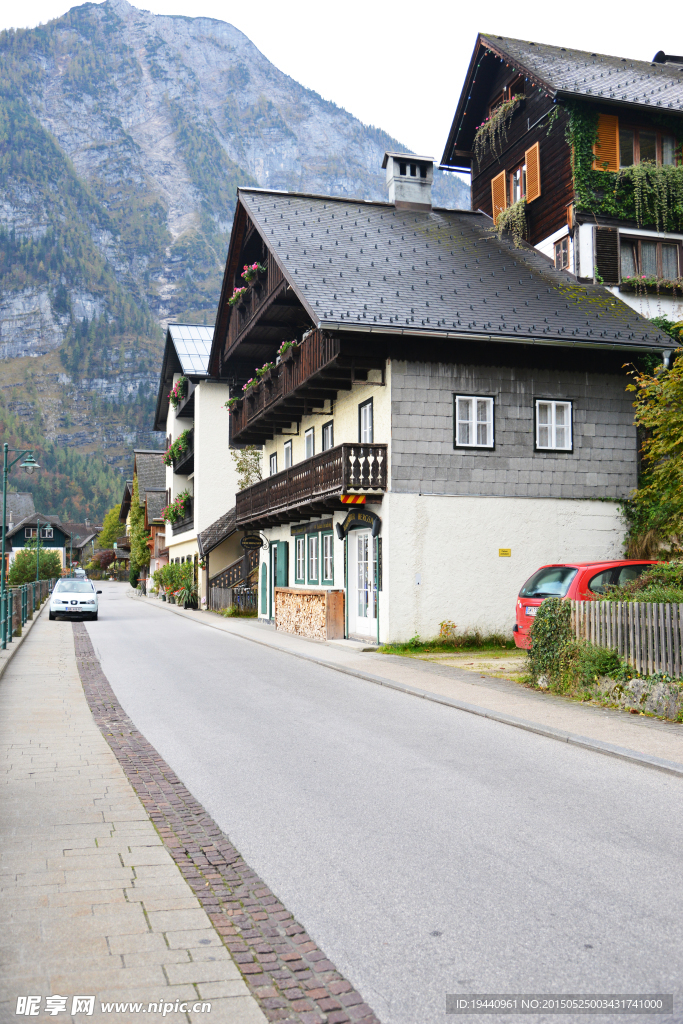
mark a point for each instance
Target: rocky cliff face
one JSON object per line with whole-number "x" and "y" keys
{"x": 123, "y": 138}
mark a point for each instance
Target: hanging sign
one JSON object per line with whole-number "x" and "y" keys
{"x": 251, "y": 542}
{"x": 360, "y": 518}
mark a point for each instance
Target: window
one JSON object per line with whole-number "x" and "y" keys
{"x": 473, "y": 422}
{"x": 288, "y": 454}
{"x": 553, "y": 581}
{"x": 553, "y": 426}
{"x": 365, "y": 427}
{"x": 328, "y": 436}
{"x": 273, "y": 464}
{"x": 645, "y": 257}
{"x": 562, "y": 253}
{"x": 312, "y": 557}
{"x": 300, "y": 568}
{"x": 47, "y": 533}
{"x": 309, "y": 443}
{"x": 30, "y": 531}
{"x": 517, "y": 183}
{"x": 328, "y": 557}
{"x": 641, "y": 145}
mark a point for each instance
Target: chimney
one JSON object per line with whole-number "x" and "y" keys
{"x": 87, "y": 521}
{"x": 409, "y": 180}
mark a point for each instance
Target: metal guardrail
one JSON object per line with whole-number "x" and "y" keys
{"x": 17, "y": 605}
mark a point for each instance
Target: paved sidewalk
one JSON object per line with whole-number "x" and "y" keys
{"x": 650, "y": 737}
{"x": 92, "y": 902}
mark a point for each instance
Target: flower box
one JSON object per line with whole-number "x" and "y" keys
{"x": 290, "y": 353}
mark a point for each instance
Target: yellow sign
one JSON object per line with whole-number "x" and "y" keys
{"x": 504, "y": 552}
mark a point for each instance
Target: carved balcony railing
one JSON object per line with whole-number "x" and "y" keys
{"x": 184, "y": 464}
{"x": 187, "y": 522}
{"x": 298, "y": 367}
{"x": 258, "y": 295}
{"x": 314, "y": 485}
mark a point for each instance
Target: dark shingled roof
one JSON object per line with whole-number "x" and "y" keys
{"x": 219, "y": 531}
{"x": 80, "y": 533}
{"x": 151, "y": 472}
{"x": 156, "y": 503}
{"x": 20, "y": 504}
{"x": 369, "y": 266}
{"x": 569, "y": 72}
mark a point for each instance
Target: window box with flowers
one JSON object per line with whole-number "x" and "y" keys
{"x": 267, "y": 373}
{"x": 232, "y": 404}
{"x": 178, "y": 392}
{"x": 254, "y": 273}
{"x": 288, "y": 350}
{"x": 237, "y": 298}
{"x": 179, "y": 509}
{"x": 644, "y": 285}
{"x": 178, "y": 448}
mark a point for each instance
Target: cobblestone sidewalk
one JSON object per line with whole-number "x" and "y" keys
{"x": 98, "y": 902}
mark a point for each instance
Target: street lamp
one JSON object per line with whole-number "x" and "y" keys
{"x": 29, "y": 465}
{"x": 38, "y": 549}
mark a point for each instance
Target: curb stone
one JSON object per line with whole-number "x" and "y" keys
{"x": 573, "y": 739}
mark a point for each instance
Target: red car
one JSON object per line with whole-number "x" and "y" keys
{"x": 574, "y": 581}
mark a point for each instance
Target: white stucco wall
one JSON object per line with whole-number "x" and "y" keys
{"x": 451, "y": 544}
{"x": 215, "y": 477}
{"x": 344, "y": 415}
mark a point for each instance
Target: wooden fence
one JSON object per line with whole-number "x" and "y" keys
{"x": 649, "y": 636}
{"x": 245, "y": 598}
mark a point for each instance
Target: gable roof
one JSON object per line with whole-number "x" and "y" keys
{"x": 215, "y": 534}
{"x": 151, "y": 472}
{"x": 566, "y": 73}
{"x": 32, "y": 520}
{"x": 126, "y": 500}
{"x": 80, "y": 533}
{"x": 20, "y": 504}
{"x": 364, "y": 266}
{"x": 187, "y": 351}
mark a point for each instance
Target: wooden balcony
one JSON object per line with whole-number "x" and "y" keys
{"x": 314, "y": 486}
{"x": 184, "y": 464}
{"x": 259, "y": 296}
{"x": 308, "y": 376}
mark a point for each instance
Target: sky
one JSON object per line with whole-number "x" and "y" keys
{"x": 400, "y": 66}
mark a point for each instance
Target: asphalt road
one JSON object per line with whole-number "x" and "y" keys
{"x": 425, "y": 850}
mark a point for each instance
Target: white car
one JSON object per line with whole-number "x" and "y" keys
{"x": 74, "y": 598}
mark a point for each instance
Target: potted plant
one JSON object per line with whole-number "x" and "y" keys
{"x": 265, "y": 371}
{"x": 232, "y": 403}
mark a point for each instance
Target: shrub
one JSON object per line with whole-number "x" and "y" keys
{"x": 592, "y": 662}
{"x": 133, "y": 576}
{"x": 660, "y": 583}
{"x": 23, "y": 568}
{"x": 550, "y": 635}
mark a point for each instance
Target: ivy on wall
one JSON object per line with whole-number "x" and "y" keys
{"x": 649, "y": 194}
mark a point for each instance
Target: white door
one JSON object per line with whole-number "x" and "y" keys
{"x": 362, "y": 590}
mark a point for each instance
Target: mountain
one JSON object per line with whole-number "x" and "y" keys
{"x": 123, "y": 138}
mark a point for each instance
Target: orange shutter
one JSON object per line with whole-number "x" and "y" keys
{"x": 532, "y": 158}
{"x": 606, "y": 148}
{"x": 498, "y": 195}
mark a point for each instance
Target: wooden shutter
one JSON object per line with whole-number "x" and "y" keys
{"x": 498, "y": 195}
{"x": 282, "y": 576}
{"x": 532, "y": 158}
{"x": 264, "y": 589}
{"x": 607, "y": 254}
{"x": 606, "y": 148}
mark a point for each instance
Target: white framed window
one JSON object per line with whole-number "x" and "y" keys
{"x": 273, "y": 464}
{"x": 328, "y": 436}
{"x": 328, "y": 557}
{"x": 288, "y": 454}
{"x": 309, "y": 443}
{"x": 300, "y": 560}
{"x": 312, "y": 557}
{"x": 29, "y": 531}
{"x": 553, "y": 425}
{"x": 365, "y": 424}
{"x": 473, "y": 421}
{"x": 562, "y": 253}
{"x": 47, "y": 533}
